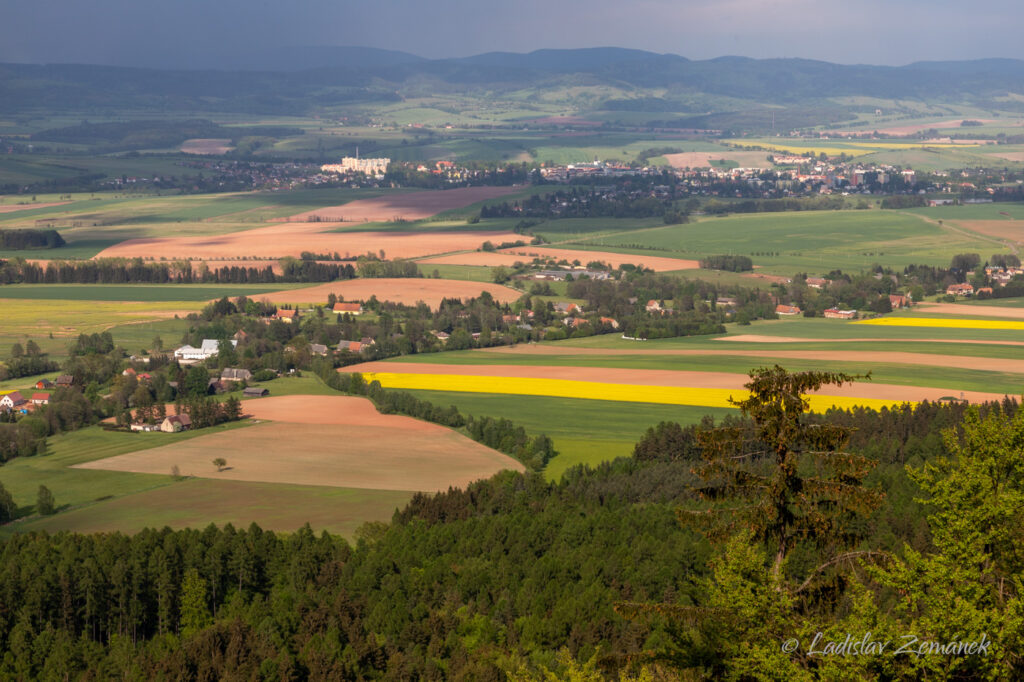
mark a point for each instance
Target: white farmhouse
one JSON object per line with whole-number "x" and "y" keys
{"x": 208, "y": 349}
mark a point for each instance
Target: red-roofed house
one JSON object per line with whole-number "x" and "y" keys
{"x": 40, "y": 399}
{"x": 964, "y": 289}
{"x": 12, "y": 400}
{"x": 899, "y": 301}
{"x": 787, "y": 310}
{"x": 351, "y": 308}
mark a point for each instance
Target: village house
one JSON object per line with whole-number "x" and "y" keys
{"x": 65, "y": 381}
{"x": 837, "y": 314}
{"x": 288, "y": 316}
{"x": 350, "y": 308}
{"x": 610, "y": 321}
{"x": 40, "y": 399}
{"x": 318, "y": 349}
{"x": 44, "y": 383}
{"x": 441, "y": 336}
{"x": 240, "y": 335}
{"x": 235, "y": 375}
{"x": 355, "y": 346}
{"x": 567, "y": 308}
{"x": 11, "y": 400}
{"x": 175, "y": 423}
{"x": 964, "y": 289}
{"x": 899, "y": 301}
{"x": 653, "y": 306}
{"x": 782, "y": 309}
{"x": 255, "y": 392}
{"x": 141, "y": 426}
{"x": 818, "y": 282}
{"x": 984, "y": 290}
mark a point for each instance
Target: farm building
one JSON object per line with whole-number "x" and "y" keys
{"x": 818, "y": 282}
{"x": 175, "y": 423}
{"x": 255, "y": 392}
{"x": 964, "y": 289}
{"x": 65, "y": 381}
{"x": 206, "y": 350}
{"x": 782, "y": 309}
{"x": 318, "y": 349}
{"x": 40, "y": 399}
{"x": 235, "y": 375}
{"x": 145, "y": 427}
{"x": 44, "y": 383}
{"x": 285, "y": 315}
{"x": 351, "y": 308}
{"x": 11, "y": 400}
{"x": 837, "y": 314}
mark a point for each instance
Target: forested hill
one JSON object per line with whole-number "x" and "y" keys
{"x": 515, "y": 578}
{"x": 302, "y": 80}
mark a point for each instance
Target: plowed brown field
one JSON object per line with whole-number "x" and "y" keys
{"x": 335, "y": 441}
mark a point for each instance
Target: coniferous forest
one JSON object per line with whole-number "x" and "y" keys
{"x": 702, "y": 556}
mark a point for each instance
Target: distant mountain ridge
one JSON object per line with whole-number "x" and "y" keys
{"x": 299, "y": 80}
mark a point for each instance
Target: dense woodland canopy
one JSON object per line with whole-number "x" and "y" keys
{"x": 515, "y": 577}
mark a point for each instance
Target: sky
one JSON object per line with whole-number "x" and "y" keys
{"x": 190, "y": 32}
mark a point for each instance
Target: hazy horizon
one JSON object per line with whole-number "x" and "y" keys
{"x": 186, "y": 33}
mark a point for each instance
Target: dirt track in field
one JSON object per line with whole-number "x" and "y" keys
{"x": 337, "y": 441}
{"x": 292, "y": 238}
{"x": 11, "y": 208}
{"x": 825, "y": 356}
{"x": 406, "y": 290}
{"x": 658, "y": 377}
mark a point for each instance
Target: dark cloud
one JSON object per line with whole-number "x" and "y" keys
{"x": 188, "y": 32}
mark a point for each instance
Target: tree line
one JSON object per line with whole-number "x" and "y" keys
{"x": 18, "y": 240}
{"x": 517, "y": 577}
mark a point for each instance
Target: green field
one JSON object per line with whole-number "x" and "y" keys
{"x": 807, "y": 241}
{"x": 584, "y": 431}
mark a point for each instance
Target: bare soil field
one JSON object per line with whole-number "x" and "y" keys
{"x": 207, "y": 145}
{"x": 658, "y": 377}
{"x": 336, "y": 441}
{"x": 292, "y": 238}
{"x": 704, "y": 159}
{"x": 892, "y": 357}
{"x": 912, "y": 128}
{"x": 657, "y": 263}
{"x": 406, "y": 290}
{"x": 976, "y": 310}
{"x": 767, "y": 278}
{"x": 409, "y": 206}
{"x": 11, "y": 208}
{"x": 1012, "y": 230}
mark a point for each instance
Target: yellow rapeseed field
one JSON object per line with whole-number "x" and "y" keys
{"x": 939, "y": 322}
{"x": 592, "y": 390}
{"x": 850, "y": 148}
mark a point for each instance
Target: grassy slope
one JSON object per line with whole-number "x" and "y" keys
{"x": 811, "y": 241}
